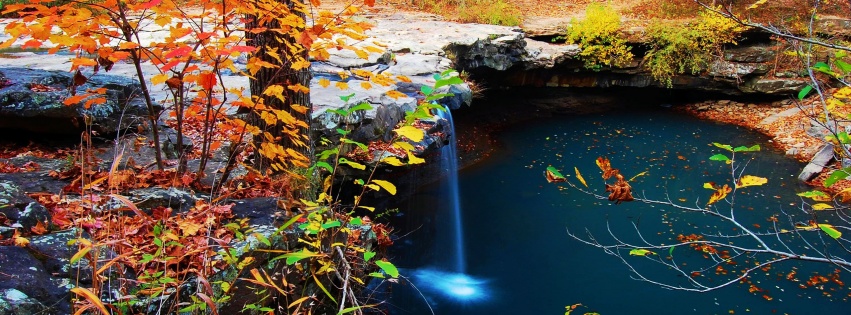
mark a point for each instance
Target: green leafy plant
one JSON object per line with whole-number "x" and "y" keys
{"x": 687, "y": 48}
{"x": 599, "y": 37}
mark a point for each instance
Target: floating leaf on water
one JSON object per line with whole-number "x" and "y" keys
{"x": 815, "y": 195}
{"x": 822, "y": 206}
{"x": 638, "y": 175}
{"x": 554, "y": 176}
{"x": 579, "y": 177}
{"x": 723, "y": 146}
{"x": 753, "y": 148}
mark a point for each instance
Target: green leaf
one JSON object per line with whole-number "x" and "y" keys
{"x": 821, "y": 67}
{"x": 360, "y": 145}
{"x": 427, "y": 90}
{"x": 803, "y": 93}
{"x": 345, "y": 98}
{"x": 640, "y": 252}
{"x": 377, "y": 275}
{"x": 830, "y": 230}
{"x": 368, "y": 255}
{"x": 388, "y": 186}
{"x": 292, "y": 258}
{"x": 324, "y": 165}
{"x": 836, "y": 176}
{"x": 318, "y": 283}
{"x": 343, "y": 132}
{"x": 354, "y": 308}
{"x": 449, "y": 81}
{"x": 842, "y": 65}
{"x": 844, "y": 138}
{"x": 723, "y": 146}
{"x": 719, "y": 157}
{"x": 753, "y": 148}
{"x": 262, "y": 239}
{"x": 554, "y": 176}
{"x": 388, "y": 268}
{"x": 671, "y": 251}
{"x": 331, "y": 224}
{"x": 438, "y": 96}
{"x": 815, "y": 195}
{"x": 361, "y": 106}
{"x": 356, "y": 221}
{"x": 85, "y": 250}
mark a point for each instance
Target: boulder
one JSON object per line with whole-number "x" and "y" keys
{"x": 23, "y": 212}
{"x": 818, "y": 163}
{"x": 24, "y": 280}
{"x": 31, "y": 100}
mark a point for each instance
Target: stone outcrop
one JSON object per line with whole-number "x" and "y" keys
{"x": 31, "y": 100}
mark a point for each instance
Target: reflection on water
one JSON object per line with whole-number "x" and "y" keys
{"x": 515, "y": 224}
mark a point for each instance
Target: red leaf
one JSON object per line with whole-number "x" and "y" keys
{"x": 150, "y": 4}
{"x": 244, "y": 49}
{"x": 179, "y": 52}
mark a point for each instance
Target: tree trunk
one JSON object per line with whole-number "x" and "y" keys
{"x": 284, "y": 76}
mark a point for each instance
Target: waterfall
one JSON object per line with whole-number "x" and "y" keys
{"x": 449, "y": 165}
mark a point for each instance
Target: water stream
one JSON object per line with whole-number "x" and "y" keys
{"x": 519, "y": 258}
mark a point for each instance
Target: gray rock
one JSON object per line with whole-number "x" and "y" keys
{"x": 20, "y": 271}
{"x": 15, "y": 302}
{"x": 149, "y": 198}
{"x": 23, "y": 109}
{"x": 24, "y": 212}
{"x": 818, "y": 163}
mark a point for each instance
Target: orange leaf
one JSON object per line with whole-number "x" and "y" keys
{"x": 719, "y": 194}
{"x": 39, "y": 228}
{"x": 174, "y": 82}
{"x": 91, "y": 297}
{"x": 74, "y": 99}
{"x": 365, "y": 85}
{"x": 207, "y": 80}
{"x": 324, "y": 82}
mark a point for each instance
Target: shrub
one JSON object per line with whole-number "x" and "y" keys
{"x": 598, "y": 35}
{"x": 677, "y": 48}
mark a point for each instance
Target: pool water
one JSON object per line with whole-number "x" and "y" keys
{"x": 521, "y": 260}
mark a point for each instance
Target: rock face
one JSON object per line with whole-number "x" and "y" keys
{"x": 23, "y": 212}
{"x": 31, "y": 101}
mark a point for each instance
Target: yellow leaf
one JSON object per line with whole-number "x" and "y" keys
{"x": 822, "y": 206}
{"x": 365, "y": 85}
{"x": 324, "y": 82}
{"x": 21, "y": 241}
{"x": 579, "y": 177}
{"x": 403, "y": 78}
{"x": 300, "y": 64}
{"x": 341, "y": 85}
{"x": 413, "y": 159}
{"x": 388, "y": 186}
{"x": 750, "y": 180}
{"x": 189, "y": 228}
{"x": 411, "y": 132}
{"x": 392, "y": 160}
{"x": 403, "y": 146}
{"x": 159, "y": 78}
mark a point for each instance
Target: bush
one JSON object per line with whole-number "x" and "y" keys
{"x": 677, "y": 48}
{"x": 598, "y": 35}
